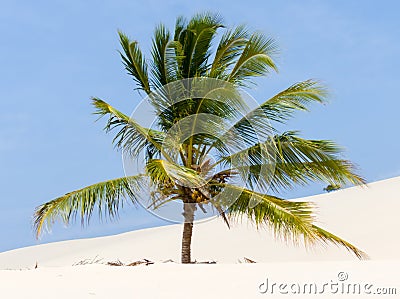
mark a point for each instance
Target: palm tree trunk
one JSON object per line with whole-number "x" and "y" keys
{"x": 188, "y": 213}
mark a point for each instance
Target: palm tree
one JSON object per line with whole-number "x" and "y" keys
{"x": 183, "y": 171}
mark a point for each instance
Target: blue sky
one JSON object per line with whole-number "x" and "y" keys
{"x": 55, "y": 55}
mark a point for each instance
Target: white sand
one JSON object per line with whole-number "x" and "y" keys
{"x": 367, "y": 217}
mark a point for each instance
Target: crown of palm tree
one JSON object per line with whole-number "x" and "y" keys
{"x": 195, "y": 51}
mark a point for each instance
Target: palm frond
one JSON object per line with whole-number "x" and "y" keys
{"x": 217, "y": 97}
{"x": 289, "y": 220}
{"x": 294, "y": 161}
{"x": 134, "y": 62}
{"x": 160, "y": 42}
{"x": 223, "y": 215}
{"x": 324, "y": 157}
{"x": 281, "y": 106}
{"x": 196, "y": 40}
{"x": 167, "y": 56}
{"x": 173, "y": 60}
{"x": 161, "y": 172}
{"x": 327, "y": 237}
{"x": 255, "y": 126}
{"x": 287, "y": 175}
{"x": 180, "y": 26}
{"x": 107, "y": 196}
{"x": 255, "y": 59}
{"x": 196, "y": 96}
{"x": 131, "y": 137}
{"x": 229, "y": 49}
{"x": 252, "y": 128}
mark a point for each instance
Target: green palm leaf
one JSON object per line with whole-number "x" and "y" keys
{"x": 180, "y": 26}
{"x": 256, "y": 124}
{"x": 196, "y": 40}
{"x": 229, "y": 49}
{"x": 107, "y": 196}
{"x": 289, "y": 220}
{"x": 327, "y": 237}
{"x": 160, "y": 41}
{"x": 131, "y": 137}
{"x": 167, "y": 57}
{"x": 134, "y": 62}
{"x": 281, "y": 106}
{"x": 292, "y": 221}
{"x": 324, "y": 155}
{"x": 294, "y": 161}
{"x": 287, "y": 175}
{"x": 255, "y": 59}
{"x": 161, "y": 172}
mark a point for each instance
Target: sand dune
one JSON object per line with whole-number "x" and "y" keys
{"x": 367, "y": 217}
